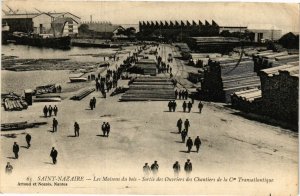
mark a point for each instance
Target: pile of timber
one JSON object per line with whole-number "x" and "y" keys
{"x": 50, "y": 88}
{"x": 224, "y": 76}
{"x": 150, "y": 89}
{"x": 47, "y": 98}
{"x": 247, "y": 100}
{"x": 13, "y": 102}
{"x": 82, "y": 93}
{"x": 267, "y": 59}
{"x": 148, "y": 66}
{"x": 280, "y": 88}
{"x": 20, "y": 125}
{"x": 287, "y": 59}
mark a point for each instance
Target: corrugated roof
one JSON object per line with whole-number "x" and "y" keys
{"x": 103, "y": 27}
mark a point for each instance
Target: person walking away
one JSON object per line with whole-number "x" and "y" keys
{"x": 184, "y": 106}
{"x": 103, "y": 127}
{"x": 180, "y": 94}
{"x": 176, "y": 168}
{"x": 28, "y": 139}
{"x": 188, "y": 167}
{"x": 53, "y": 155}
{"x": 76, "y": 129}
{"x": 91, "y": 104}
{"x": 55, "y": 110}
{"x": 170, "y": 105}
{"x": 179, "y": 125}
{"x": 146, "y": 169}
{"x": 8, "y": 168}
{"x": 174, "y": 106}
{"x": 107, "y": 128}
{"x": 154, "y": 168}
{"x": 45, "y": 110}
{"x": 197, "y": 143}
{"x": 54, "y": 125}
{"x": 200, "y": 106}
{"x": 187, "y": 125}
{"x": 186, "y": 93}
{"x": 94, "y": 102}
{"x": 50, "y": 110}
{"x": 190, "y": 105}
{"x": 16, "y": 150}
{"x": 189, "y": 144}
{"x": 183, "y": 135}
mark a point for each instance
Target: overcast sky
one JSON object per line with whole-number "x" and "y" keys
{"x": 283, "y": 16}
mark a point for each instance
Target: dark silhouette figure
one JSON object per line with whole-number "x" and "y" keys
{"x": 54, "y": 125}
{"x": 76, "y": 129}
{"x": 197, "y": 143}
{"x": 189, "y": 144}
{"x": 188, "y": 167}
{"x": 55, "y": 110}
{"x": 183, "y": 135}
{"x": 28, "y": 139}
{"x": 45, "y": 110}
{"x": 200, "y": 106}
{"x": 187, "y": 125}
{"x": 16, "y": 150}
{"x": 179, "y": 125}
{"x": 53, "y": 155}
{"x": 184, "y": 106}
{"x": 154, "y": 168}
{"x": 176, "y": 168}
{"x": 146, "y": 169}
{"x": 8, "y": 168}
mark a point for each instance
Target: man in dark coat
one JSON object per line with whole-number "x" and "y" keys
{"x": 184, "y": 106}
{"x": 190, "y": 105}
{"x": 176, "y": 168}
{"x": 55, "y": 110}
{"x": 146, "y": 169}
{"x": 154, "y": 168}
{"x": 45, "y": 110}
{"x": 94, "y": 102}
{"x": 200, "y": 106}
{"x": 54, "y": 125}
{"x": 189, "y": 144}
{"x": 176, "y": 94}
{"x": 28, "y": 139}
{"x": 76, "y": 129}
{"x": 180, "y": 94}
{"x": 103, "y": 128}
{"x": 183, "y": 135}
{"x": 188, "y": 167}
{"x": 91, "y": 104}
{"x": 186, "y": 94}
{"x": 53, "y": 155}
{"x": 50, "y": 110}
{"x": 174, "y": 106}
{"x": 107, "y": 128}
{"x": 179, "y": 125}
{"x": 187, "y": 125}
{"x": 170, "y": 105}
{"x": 197, "y": 143}
{"x": 16, "y": 150}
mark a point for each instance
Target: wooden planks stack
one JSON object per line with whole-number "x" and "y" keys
{"x": 14, "y": 104}
{"x": 148, "y": 66}
{"x": 150, "y": 89}
{"x": 224, "y": 76}
{"x": 20, "y": 125}
{"x": 82, "y": 93}
{"x": 247, "y": 100}
{"x": 280, "y": 87}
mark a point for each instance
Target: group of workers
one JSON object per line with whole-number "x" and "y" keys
{"x": 182, "y": 94}
{"x": 48, "y": 110}
{"x": 176, "y": 168}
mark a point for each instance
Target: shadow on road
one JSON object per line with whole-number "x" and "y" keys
{"x": 101, "y": 135}
{"x": 49, "y": 163}
{"x": 11, "y": 157}
{"x": 174, "y": 132}
{"x": 179, "y": 142}
{"x": 71, "y": 136}
{"x": 24, "y": 147}
{"x": 184, "y": 151}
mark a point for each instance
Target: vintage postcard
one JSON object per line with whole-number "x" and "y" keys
{"x": 137, "y": 97}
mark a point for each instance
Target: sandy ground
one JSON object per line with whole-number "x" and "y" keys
{"x": 141, "y": 132}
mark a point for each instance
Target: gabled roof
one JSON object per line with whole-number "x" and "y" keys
{"x": 23, "y": 16}
{"x": 58, "y": 24}
{"x": 62, "y": 13}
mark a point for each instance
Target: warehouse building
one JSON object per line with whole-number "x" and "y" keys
{"x": 64, "y": 27}
{"x": 29, "y": 23}
{"x": 263, "y": 33}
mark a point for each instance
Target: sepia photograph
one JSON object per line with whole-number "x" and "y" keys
{"x": 149, "y": 97}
